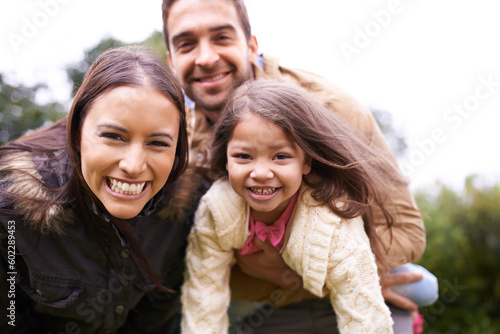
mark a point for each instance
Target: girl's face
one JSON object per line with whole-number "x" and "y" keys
{"x": 128, "y": 144}
{"x": 265, "y": 167}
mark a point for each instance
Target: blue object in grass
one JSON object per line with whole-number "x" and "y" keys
{"x": 423, "y": 292}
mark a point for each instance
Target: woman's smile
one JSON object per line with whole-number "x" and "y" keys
{"x": 125, "y": 188}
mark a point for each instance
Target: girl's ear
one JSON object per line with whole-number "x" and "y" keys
{"x": 306, "y": 168}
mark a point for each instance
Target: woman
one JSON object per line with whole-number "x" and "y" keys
{"x": 92, "y": 239}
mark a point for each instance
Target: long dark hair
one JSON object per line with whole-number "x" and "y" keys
{"x": 133, "y": 66}
{"x": 347, "y": 174}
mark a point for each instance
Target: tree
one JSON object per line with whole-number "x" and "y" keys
{"x": 463, "y": 251}
{"x": 77, "y": 70}
{"x": 20, "y": 112}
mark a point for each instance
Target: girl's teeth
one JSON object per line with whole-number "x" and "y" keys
{"x": 126, "y": 188}
{"x": 259, "y": 191}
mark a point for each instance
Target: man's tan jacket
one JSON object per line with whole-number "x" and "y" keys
{"x": 403, "y": 242}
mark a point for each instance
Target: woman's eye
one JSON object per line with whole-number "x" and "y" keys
{"x": 159, "y": 144}
{"x": 111, "y": 135}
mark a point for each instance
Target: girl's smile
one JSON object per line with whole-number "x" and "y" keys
{"x": 263, "y": 194}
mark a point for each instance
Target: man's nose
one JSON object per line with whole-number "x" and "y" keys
{"x": 207, "y": 55}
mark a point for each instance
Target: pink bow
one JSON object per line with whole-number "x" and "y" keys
{"x": 274, "y": 233}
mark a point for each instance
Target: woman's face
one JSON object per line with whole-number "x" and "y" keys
{"x": 128, "y": 144}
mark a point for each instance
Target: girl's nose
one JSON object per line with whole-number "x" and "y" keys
{"x": 261, "y": 171}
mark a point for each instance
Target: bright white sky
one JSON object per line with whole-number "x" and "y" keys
{"x": 434, "y": 65}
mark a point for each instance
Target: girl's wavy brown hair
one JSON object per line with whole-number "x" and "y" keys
{"x": 347, "y": 174}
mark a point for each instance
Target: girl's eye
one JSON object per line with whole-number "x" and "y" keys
{"x": 242, "y": 156}
{"x": 282, "y": 156}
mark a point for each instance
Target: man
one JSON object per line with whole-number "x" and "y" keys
{"x": 212, "y": 51}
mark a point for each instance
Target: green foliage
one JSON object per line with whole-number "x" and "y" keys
{"x": 77, "y": 71}
{"x": 19, "y": 112}
{"x": 463, "y": 251}
{"x": 156, "y": 42}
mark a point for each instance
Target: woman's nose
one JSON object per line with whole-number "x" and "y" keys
{"x": 134, "y": 160}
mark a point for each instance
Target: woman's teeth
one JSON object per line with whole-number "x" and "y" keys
{"x": 125, "y": 188}
{"x": 260, "y": 191}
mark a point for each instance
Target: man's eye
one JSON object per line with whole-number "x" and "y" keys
{"x": 185, "y": 46}
{"x": 222, "y": 37}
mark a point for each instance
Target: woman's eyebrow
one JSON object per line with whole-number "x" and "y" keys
{"x": 119, "y": 128}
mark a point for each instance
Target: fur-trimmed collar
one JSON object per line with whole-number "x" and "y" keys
{"x": 24, "y": 190}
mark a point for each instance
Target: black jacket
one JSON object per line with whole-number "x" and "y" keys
{"x": 60, "y": 281}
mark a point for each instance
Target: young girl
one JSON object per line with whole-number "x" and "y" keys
{"x": 296, "y": 175}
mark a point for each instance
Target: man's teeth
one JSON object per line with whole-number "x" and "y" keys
{"x": 126, "y": 188}
{"x": 220, "y": 76}
{"x": 260, "y": 191}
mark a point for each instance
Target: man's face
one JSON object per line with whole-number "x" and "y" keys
{"x": 209, "y": 51}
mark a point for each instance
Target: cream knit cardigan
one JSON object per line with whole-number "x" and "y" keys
{"x": 331, "y": 254}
